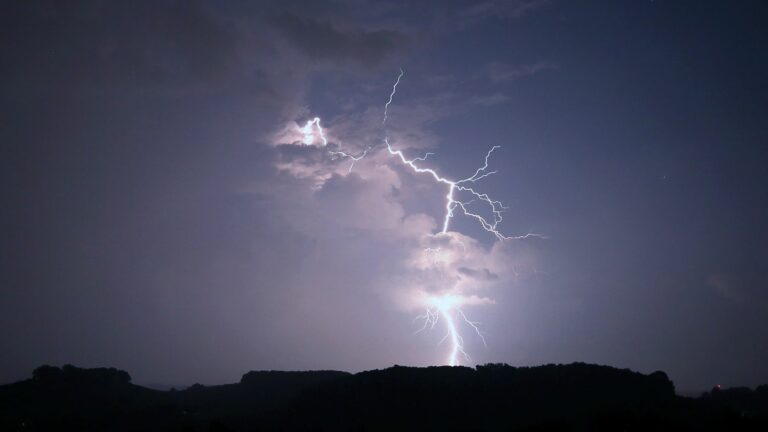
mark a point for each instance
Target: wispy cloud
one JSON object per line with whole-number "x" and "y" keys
{"x": 489, "y": 100}
{"x": 502, "y": 72}
{"x": 503, "y": 9}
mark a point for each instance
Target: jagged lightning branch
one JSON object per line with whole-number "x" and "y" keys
{"x": 355, "y": 159}
{"x": 391, "y": 95}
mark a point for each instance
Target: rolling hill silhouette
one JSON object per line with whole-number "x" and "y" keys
{"x": 492, "y": 397}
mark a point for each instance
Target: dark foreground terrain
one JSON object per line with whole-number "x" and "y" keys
{"x": 578, "y": 397}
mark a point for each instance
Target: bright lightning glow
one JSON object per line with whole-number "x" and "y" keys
{"x": 309, "y": 134}
{"x": 447, "y": 306}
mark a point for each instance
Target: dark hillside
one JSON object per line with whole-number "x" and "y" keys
{"x": 493, "y": 397}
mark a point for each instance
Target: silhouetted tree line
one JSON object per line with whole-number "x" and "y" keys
{"x": 494, "y": 397}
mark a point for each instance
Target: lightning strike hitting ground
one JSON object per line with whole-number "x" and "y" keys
{"x": 447, "y": 306}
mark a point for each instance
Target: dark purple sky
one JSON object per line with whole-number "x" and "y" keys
{"x": 160, "y": 215}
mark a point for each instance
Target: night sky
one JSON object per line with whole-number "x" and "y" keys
{"x": 163, "y": 213}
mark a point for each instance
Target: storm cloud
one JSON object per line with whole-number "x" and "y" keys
{"x": 164, "y": 213}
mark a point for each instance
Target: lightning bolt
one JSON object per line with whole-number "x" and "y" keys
{"x": 448, "y": 306}
{"x": 445, "y": 307}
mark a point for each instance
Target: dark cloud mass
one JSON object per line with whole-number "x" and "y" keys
{"x": 482, "y": 274}
{"x": 98, "y": 43}
{"x": 320, "y": 40}
{"x": 165, "y": 209}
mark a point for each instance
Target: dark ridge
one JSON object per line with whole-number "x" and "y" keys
{"x": 494, "y": 397}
